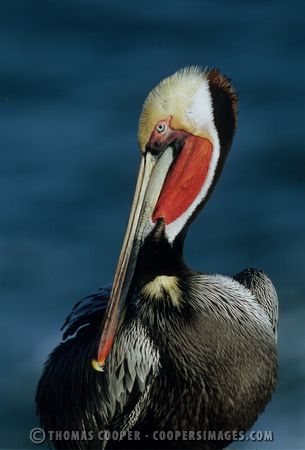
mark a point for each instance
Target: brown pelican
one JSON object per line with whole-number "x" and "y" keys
{"x": 167, "y": 350}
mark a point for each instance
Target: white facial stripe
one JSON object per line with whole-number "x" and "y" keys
{"x": 201, "y": 114}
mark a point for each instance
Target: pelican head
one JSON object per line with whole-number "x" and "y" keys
{"x": 185, "y": 132}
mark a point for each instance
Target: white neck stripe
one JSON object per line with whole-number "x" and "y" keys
{"x": 202, "y": 116}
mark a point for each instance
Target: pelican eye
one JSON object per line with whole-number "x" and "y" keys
{"x": 161, "y": 128}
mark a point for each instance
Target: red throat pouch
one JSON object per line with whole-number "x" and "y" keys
{"x": 184, "y": 180}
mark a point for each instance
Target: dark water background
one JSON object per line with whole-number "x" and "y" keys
{"x": 73, "y": 76}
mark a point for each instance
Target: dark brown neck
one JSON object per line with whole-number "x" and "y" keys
{"x": 158, "y": 257}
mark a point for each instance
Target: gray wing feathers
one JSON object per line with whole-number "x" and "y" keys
{"x": 262, "y": 288}
{"x": 132, "y": 368}
{"x": 86, "y": 312}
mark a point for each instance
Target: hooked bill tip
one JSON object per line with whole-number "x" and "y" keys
{"x": 99, "y": 367}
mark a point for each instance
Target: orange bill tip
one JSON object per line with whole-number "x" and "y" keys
{"x": 98, "y": 366}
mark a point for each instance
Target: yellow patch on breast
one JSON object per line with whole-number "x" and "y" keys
{"x": 161, "y": 287}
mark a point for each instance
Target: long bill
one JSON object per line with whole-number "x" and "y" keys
{"x": 152, "y": 174}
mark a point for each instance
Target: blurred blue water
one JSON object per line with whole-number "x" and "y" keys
{"x": 73, "y": 76}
